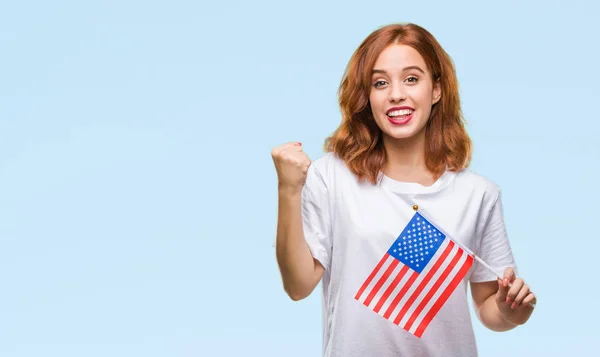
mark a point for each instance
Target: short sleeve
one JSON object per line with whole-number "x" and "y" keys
{"x": 494, "y": 248}
{"x": 316, "y": 216}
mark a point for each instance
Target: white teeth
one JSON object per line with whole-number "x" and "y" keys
{"x": 400, "y": 112}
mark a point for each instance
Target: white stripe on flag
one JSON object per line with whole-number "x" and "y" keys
{"x": 401, "y": 305}
{"x": 375, "y": 280}
{"x": 440, "y": 289}
{"x": 396, "y": 290}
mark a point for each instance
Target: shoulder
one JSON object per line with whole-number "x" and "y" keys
{"x": 480, "y": 192}
{"x": 328, "y": 161}
{"x": 328, "y": 165}
{"x": 477, "y": 184}
{"x": 331, "y": 171}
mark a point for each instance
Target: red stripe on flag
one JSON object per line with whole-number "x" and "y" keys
{"x": 445, "y": 295}
{"x": 391, "y": 288}
{"x": 424, "y": 282}
{"x": 398, "y": 297}
{"x": 434, "y": 288}
{"x": 381, "y": 281}
{"x": 373, "y": 273}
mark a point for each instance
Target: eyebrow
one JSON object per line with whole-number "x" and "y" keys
{"x": 403, "y": 70}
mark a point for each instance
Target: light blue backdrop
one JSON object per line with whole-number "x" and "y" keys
{"x": 138, "y": 195}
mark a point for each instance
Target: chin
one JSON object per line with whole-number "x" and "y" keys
{"x": 403, "y": 132}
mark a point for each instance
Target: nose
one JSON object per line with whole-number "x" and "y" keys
{"x": 396, "y": 93}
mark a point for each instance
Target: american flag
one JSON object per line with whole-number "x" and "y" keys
{"x": 415, "y": 277}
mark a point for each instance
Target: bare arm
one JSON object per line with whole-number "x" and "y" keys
{"x": 300, "y": 272}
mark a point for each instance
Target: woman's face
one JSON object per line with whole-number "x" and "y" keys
{"x": 402, "y": 92}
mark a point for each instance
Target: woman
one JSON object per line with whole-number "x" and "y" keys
{"x": 352, "y": 219}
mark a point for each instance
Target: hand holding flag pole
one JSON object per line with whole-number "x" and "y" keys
{"x": 418, "y": 273}
{"x": 501, "y": 278}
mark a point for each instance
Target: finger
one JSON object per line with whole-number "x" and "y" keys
{"x": 289, "y": 146}
{"x": 530, "y": 299}
{"x": 502, "y": 291}
{"x": 294, "y": 147}
{"x": 509, "y": 276}
{"x": 298, "y": 158}
{"x": 292, "y": 144}
{"x": 290, "y": 151}
{"x": 514, "y": 290}
{"x": 520, "y": 296}
{"x": 306, "y": 167}
{"x": 278, "y": 150}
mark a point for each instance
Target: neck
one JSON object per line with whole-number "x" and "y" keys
{"x": 406, "y": 160}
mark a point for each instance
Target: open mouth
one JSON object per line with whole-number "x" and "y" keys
{"x": 400, "y": 116}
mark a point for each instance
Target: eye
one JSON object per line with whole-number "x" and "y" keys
{"x": 412, "y": 79}
{"x": 379, "y": 84}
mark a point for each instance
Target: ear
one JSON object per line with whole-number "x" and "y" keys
{"x": 437, "y": 92}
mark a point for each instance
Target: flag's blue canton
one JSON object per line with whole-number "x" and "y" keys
{"x": 417, "y": 244}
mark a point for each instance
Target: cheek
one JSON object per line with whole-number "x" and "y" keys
{"x": 375, "y": 98}
{"x": 424, "y": 95}
{"x": 372, "y": 98}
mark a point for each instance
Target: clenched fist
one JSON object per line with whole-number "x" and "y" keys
{"x": 292, "y": 165}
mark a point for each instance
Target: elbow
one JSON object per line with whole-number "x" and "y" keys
{"x": 297, "y": 294}
{"x": 300, "y": 286}
{"x": 297, "y": 297}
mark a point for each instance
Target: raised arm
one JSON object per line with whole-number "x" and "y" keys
{"x": 300, "y": 272}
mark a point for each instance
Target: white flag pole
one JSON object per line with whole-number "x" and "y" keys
{"x": 475, "y": 256}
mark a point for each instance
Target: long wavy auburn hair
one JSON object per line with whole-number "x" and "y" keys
{"x": 358, "y": 140}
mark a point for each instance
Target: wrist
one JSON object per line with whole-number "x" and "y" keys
{"x": 289, "y": 192}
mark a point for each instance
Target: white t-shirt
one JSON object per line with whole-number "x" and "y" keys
{"x": 349, "y": 227}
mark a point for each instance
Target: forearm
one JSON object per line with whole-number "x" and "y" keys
{"x": 296, "y": 263}
{"x": 490, "y": 316}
